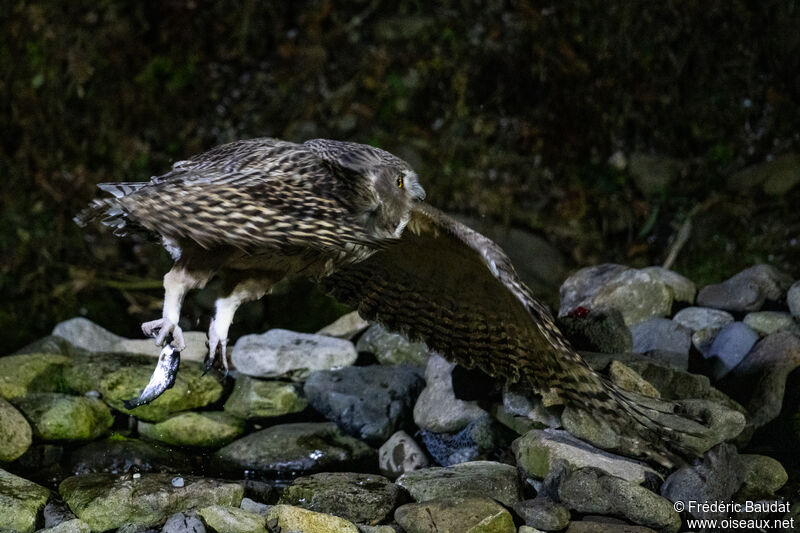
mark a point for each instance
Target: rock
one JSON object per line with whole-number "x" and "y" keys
{"x": 400, "y": 454}
{"x": 730, "y": 347}
{"x": 589, "y": 490}
{"x": 70, "y": 526}
{"x": 291, "y": 449}
{"x": 776, "y": 176}
{"x": 207, "y": 429}
{"x": 654, "y": 174}
{"x": 84, "y": 333}
{"x": 136, "y": 528}
{"x": 520, "y": 400}
{"x": 345, "y": 327}
{"x": 107, "y": 501}
{"x": 289, "y": 519}
{"x": 255, "y": 507}
{"x": 437, "y": 409}
{"x": 762, "y": 477}
{"x": 747, "y": 290}
{"x": 636, "y": 294}
{"x": 585, "y": 526}
{"x": 767, "y": 322}
{"x": 20, "y": 503}
{"x": 119, "y": 455}
{"x": 599, "y": 331}
{"x": 196, "y": 346}
{"x": 361, "y": 498}
{"x": 477, "y": 478}
{"x": 378, "y": 529}
{"x": 368, "y": 402}
{"x": 15, "y": 433}
{"x": 793, "y": 299}
{"x": 540, "y": 450}
{"x": 392, "y": 348}
{"x": 184, "y": 523}
{"x": 61, "y": 417}
{"x": 661, "y": 334}
{"x": 56, "y": 512}
{"x": 697, "y": 318}
{"x": 459, "y": 514}
{"x": 256, "y": 398}
{"x": 28, "y": 373}
{"x": 280, "y": 352}
{"x": 478, "y": 437}
{"x": 543, "y": 513}
{"x": 627, "y": 378}
{"x": 683, "y": 289}
{"x": 703, "y": 339}
{"x": 759, "y": 381}
{"x": 232, "y": 520}
{"x": 86, "y": 370}
{"x": 51, "y": 344}
{"x": 192, "y": 389}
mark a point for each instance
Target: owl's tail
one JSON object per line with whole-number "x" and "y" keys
{"x": 107, "y": 208}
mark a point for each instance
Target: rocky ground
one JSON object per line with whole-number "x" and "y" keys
{"x": 355, "y": 429}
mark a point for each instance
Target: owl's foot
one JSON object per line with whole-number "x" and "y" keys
{"x": 160, "y": 329}
{"x": 216, "y": 343}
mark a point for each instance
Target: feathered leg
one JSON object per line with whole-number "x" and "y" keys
{"x": 177, "y": 282}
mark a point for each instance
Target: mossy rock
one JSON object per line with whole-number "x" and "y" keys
{"x": 206, "y": 430}
{"x": 34, "y": 372}
{"x": 258, "y": 398}
{"x": 15, "y": 432}
{"x": 63, "y": 417}
{"x": 20, "y": 503}
{"x": 85, "y": 372}
{"x": 289, "y": 518}
{"x": 232, "y": 519}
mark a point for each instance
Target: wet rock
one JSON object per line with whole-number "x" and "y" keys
{"x": 361, "y": 498}
{"x": 207, "y": 429}
{"x": 543, "y": 513}
{"x": 762, "y": 477}
{"x": 28, "y": 373}
{"x": 119, "y": 455}
{"x": 747, "y": 290}
{"x": 697, "y": 318}
{"x": 84, "y": 333}
{"x": 585, "y": 526}
{"x": 85, "y": 371}
{"x": 653, "y": 174}
{"x": 20, "y": 502}
{"x": 280, "y": 352}
{"x": 459, "y": 514}
{"x": 400, "y": 454}
{"x": 232, "y": 519}
{"x": 479, "y": 436}
{"x": 661, "y": 334}
{"x": 256, "y": 398}
{"x": 15, "y": 433}
{"x": 767, "y": 322}
{"x": 540, "y": 450}
{"x": 627, "y": 378}
{"x": 589, "y": 490}
{"x": 192, "y": 389}
{"x": 477, "y": 478}
{"x": 289, "y": 518}
{"x": 107, "y": 501}
{"x": 196, "y": 346}
{"x": 636, "y": 294}
{"x": 369, "y": 402}
{"x": 437, "y": 409}
{"x": 599, "y": 331}
{"x": 392, "y": 348}
{"x": 730, "y": 347}
{"x": 793, "y": 299}
{"x": 183, "y": 523}
{"x": 62, "y": 417}
{"x": 288, "y": 449}
{"x": 683, "y": 289}
{"x": 345, "y": 327}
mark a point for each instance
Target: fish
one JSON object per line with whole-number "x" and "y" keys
{"x": 163, "y": 377}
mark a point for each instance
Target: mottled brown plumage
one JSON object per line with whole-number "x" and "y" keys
{"x": 351, "y": 216}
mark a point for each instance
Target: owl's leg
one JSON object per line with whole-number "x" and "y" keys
{"x": 177, "y": 282}
{"x": 246, "y": 290}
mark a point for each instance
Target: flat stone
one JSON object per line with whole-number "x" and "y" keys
{"x": 28, "y": 373}
{"x": 119, "y": 455}
{"x": 20, "y": 503}
{"x": 280, "y": 352}
{"x": 477, "y": 478}
{"x": 360, "y": 498}
{"x": 345, "y": 327}
{"x": 206, "y": 429}
{"x": 747, "y": 290}
{"x": 107, "y": 501}
{"x": 697, "y": 318}
{"x": 392, "y": 348}
{"x": 290, "y": 449}
{"x": 289, "y": 518}
{"x": 437, "y": 409}
{"x": 459, "y": 514}
{"x": 184, "y": 523}
{"x": 599, "y": 331}
{"x": 401, "y": 454}
{"x": 70, "y": 526}
{"x": 15, "y": 432}
{"x": 767, "y": 322}
{"x": 232, "y": 519}
{"x": 661, "y": 334}
{"x": 256, "y": 398}
{"x": 62, "y": 417}
{"x": 84, "y": 333}
{"x": 368, "y": 402}
{"x": 730, "y": 347}
{"x": 683, "y": 289}
{"x": 543, "y": 513}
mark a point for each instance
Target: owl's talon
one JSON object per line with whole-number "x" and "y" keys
{"x": 161, "y": 330}
{"x": 216, "y": 344}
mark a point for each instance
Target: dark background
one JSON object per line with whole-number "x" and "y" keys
{"x": 509, "y": 111}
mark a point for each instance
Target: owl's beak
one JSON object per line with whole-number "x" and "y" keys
{"x": 416, "y": 190}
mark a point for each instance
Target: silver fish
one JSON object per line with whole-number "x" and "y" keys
{"x": 162, "y": 379}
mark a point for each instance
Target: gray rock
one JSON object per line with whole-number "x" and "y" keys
{"x": 683, "y": 289}
{"x": 661, "y": 334}
{"x": 767, "y": 322}
{"x": 15, "y": 432}
{"x": 630, "y": 380}
{"x": 654, "y": 174}
{"x": 589, "y": 490}
{"x": 437, "y": 409}
{"x": 106, "y": 501}
{"x": 747, "y": 290}
{"x": 52, "y": 344}
{"x": 55, "y": 513}
{"x": 361, "y": 498}
{"x": 697, "y": 318}
{"x": 196, "y": 346}
{"x": 599, "y": 331}
{"x": 84, "y": 333}
{"x": 20, "y": 503}
{"x": 206, "y": 429}
{"x": 520, "y": 400}
{"x": 183, "y": 523}
{"x": 280, "y": 352}
{"x": 793, "y": 299}
{"x": 605, "y": 526}
{"x": 255, "y": 398}
{"x": 392, "y": 348}
{"x": 730, "y": 347}
{"x": 119, "y": 455}
{"x": 468, "y": 514}
{"x": 477, "y": 478}
{"x": 400, "y": 454}
{"x": 543, "y": 513}
{"x": 70, "y": 526}
{"x": 255, "y": 507}
{"x": 369, "y": 402}
{"x": 345, "y": 327}
{"x": 538, "y": 452}
{"x": 762, "y": 477}
{"x": 232, "y": 519}
{"x": 60, "y": 417}
{"x": 637, "y": 295}
{"x": 478, "y": 437}
{"x": 378, "y": 529}
{"x": 290, "y": 449}
{"x": 703, "y": 339}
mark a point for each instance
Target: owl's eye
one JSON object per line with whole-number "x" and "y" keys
{"x": 399, "y": 182}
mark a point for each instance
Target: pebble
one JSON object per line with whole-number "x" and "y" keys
{"x": 730, "y": 347}
{"x": 747, "y": 290}
{"x": 401, "y": 454}
{"x": 183, "y": 523}
{"x": 697, "y": 318}
{"x": 661, "y": 334}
